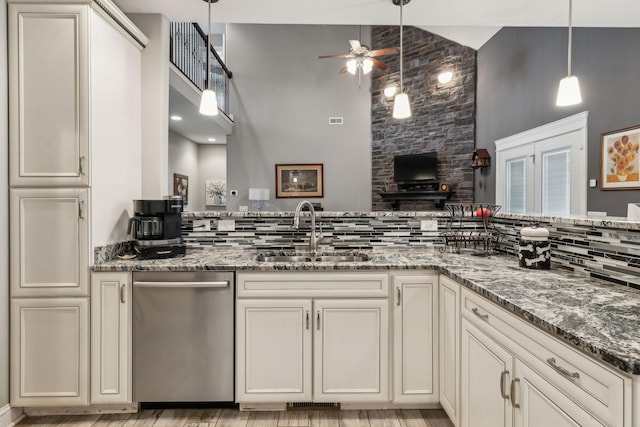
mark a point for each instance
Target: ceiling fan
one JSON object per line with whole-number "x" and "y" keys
{"x": 361, "y": 59}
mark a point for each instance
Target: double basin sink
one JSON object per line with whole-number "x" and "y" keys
{"x": 335, "y": 258}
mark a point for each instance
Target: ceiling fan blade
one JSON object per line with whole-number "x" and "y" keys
{"x": 379, "y": 64}
{"x": 355, "y": 44}
{"x": 334, "y": 56}
{"x": 343, "y": 70}
{"x": 386, "y": 51}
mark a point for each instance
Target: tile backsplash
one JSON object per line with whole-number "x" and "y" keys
{"x": 603, "y": 249}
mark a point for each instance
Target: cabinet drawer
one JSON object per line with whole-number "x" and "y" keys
{"x": 313, "y": 284}
{"x": 595, "y": 387}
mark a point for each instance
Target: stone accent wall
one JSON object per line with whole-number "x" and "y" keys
{"x": 443, "y": 118}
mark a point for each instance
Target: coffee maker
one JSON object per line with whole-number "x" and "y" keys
{"x": 156, "y": 227}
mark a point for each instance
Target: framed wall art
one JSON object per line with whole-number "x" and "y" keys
{"x": 620, "y": 161}
{"x": 181, "y": 187}
{"x": 215, "y": 193}
{"x": 299, "y": 180}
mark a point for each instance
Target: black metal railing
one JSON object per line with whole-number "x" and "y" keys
{"x": 188, "y": 52}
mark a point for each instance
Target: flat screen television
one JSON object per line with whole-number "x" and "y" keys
{"x": 415, "y": 168}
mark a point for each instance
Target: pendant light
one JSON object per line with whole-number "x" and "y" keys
{"x": 569, "y": 88}
{"x": 209, "y": 100}
{"x": 401, "y": 107}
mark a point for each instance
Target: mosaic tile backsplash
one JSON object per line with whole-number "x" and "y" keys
{"x": 602, "y": 249}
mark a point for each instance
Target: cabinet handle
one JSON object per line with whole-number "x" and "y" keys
{"x": 81, "y": 209}
{"x": 81, "y": 167}
{"x": 484, "y": 317}
{"x": 552, "y": 362}
{"x": 502, "y": 391}
{"x": 307, "y": 320}
{"x": 513, "y": 392}
{"x": 318, "y": 320}
{"x": 122, "y": 288}
{"x": 399, "y": 294}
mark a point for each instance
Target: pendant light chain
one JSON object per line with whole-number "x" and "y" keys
{"x": 401, "y": 48}
{"x": 570, "y": 39}
{"x": 209, "y": 48}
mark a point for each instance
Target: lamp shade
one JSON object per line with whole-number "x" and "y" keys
{"x": 209, "y": 103}
{"x": 258, "y": 194}
{"x": 568, "y": 92}
{"x": 401, "y": 107}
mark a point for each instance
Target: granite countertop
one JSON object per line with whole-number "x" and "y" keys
{"x": 600, "y": 319}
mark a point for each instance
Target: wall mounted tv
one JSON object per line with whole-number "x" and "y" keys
{"x": 415, "y": 168}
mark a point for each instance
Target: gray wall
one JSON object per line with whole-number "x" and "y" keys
{"x": 281, "y": 99}
{"x": 4, "y": 215}
{"x": 518, "y": 74}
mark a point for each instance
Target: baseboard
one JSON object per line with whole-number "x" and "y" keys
{"x": 123, "y": 408}
{"x": 383, "y": 406}
{"x": 9, "y": 416}
{"x": 263, "y": 406}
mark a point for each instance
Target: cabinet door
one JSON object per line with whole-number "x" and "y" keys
{"x": 486, "y": 372}
{"x": 48, "y": 95}
{"x": 49, "y": 352}
{"x": 273, "y": 350}
{"x": 542, "y": 405}
{"x": 415, "y": 344}
{"x": 350, "y": 350}
{"x": 449, "y": 347}
{"x": 49, "y": 242}
{"x": 111, "y": 338}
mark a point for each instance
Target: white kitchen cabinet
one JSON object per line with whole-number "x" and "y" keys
{"x": 514, "y": 370}
{"x": 111, "y": 377}
{"x": 49, "y": 242}
{"x": 350, "y": 348}
{"x": 415, "y": 342}
{"x": 273, "y": 354}
{"x": 449, "y": 347}
{"x": 312, "y": 336}
{"x": 49, "y": 351}
{"x": 486, "y": 374}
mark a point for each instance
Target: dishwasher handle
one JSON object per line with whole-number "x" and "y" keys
{"x": 216, "y": 284}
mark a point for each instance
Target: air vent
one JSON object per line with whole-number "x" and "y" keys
{"x": 293, "y": 406}
{"x": 336, "y": 120}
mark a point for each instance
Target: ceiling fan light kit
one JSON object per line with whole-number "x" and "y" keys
{"x": 209, "y": 100}
{"x": 569, "y": 87}
{"x": 401, "y": 105}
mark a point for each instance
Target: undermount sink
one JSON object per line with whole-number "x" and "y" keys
{"x": 313, "y": 258}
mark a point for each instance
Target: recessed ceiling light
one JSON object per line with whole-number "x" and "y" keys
{"x": 176, "y": 118}
{"x": 211, "y": 140}
{"x": 445, "y": 77}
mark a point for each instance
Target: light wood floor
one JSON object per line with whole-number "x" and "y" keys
{"x": 234, "y": 418}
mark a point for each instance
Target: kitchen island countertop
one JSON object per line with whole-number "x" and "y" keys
{"x": 599, "y": 319}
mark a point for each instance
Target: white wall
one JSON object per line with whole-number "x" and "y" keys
{"x": 281, "y": 99}
{"x": 183, "y": 159}
{"x": 4, "y": 214}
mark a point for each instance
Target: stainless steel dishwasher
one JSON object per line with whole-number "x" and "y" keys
{"x": 183, "y": 336}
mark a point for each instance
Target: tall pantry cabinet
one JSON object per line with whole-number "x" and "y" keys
{"x": 74, "y": 168}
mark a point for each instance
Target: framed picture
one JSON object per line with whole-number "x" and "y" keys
{"x": 215, "y": 193}
{"x": 301, "y": 180}
{"x": 181, "y": 187}
{"x": 620, "y": 161}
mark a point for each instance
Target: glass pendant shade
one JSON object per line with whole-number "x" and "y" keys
{"x": 352, "y": 66}
{"x": 367, "y": 65}
{"x": 568, "y": 92}
{"x": 209, "y": 103}
{"x": 401, "y": 107}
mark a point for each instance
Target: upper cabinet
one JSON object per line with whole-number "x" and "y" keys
{"x": 68, "y": 91}
{"x": 49, "y": 94}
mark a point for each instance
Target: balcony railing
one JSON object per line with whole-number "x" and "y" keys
{"x": 188, "y": 52}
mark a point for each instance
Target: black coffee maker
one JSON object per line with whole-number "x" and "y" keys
{"x": 156, "y": 227}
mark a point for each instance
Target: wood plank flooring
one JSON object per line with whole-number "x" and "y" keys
{"x": 217, "y": 417}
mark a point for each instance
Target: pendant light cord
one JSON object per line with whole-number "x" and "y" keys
{"x": 401, "y": 49}
{"x": 209, "y": 48}
{"x": 570, "y": 37}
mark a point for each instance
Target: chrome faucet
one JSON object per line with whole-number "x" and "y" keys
{"x": 313, "y": 238}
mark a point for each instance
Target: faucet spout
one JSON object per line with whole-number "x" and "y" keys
{"x": 313, "y": 238}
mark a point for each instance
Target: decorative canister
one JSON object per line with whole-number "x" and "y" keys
{"x": 534, "y": 249}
